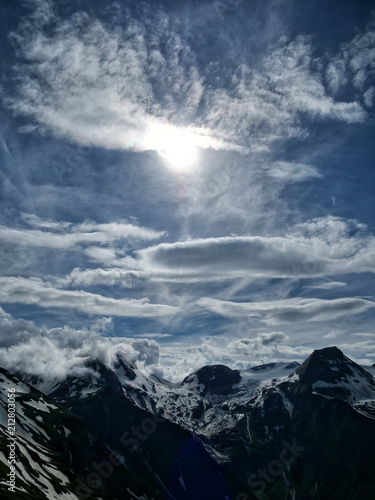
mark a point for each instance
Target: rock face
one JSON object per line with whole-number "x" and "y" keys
{"x": 280, "y": 430}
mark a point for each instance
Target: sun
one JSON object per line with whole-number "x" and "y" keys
{"x": 178, "y": 147}
{"x": 180, "y": 153}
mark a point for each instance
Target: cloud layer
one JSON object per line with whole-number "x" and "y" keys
{"x": 16, "y": 290}
{"x": 289, "y": 310}
{"x": 317, "y": 248}
{"x": 65, "y": 236}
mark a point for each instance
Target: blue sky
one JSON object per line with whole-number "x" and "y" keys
{"x": 186, "y": 184}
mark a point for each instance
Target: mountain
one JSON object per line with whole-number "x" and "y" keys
{"x": 102, "y": 445}
{"x": 275, "y": 431}
{"x": 53, "y": 447}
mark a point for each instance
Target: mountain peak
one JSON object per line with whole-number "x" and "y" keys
{"x": 329, "y": 352}
{"x": 328, "y": 368}
{"x": 319, "y": 365}
{"x": 218, "y": 379}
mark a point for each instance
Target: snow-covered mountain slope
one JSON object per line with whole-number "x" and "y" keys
{"x": 204, "y": 400}
{"x": 44, "y": 450}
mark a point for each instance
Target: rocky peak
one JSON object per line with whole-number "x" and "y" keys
{"x": 217, "y": 379}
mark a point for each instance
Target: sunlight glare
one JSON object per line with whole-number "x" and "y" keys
{"x": 178, "y": 147}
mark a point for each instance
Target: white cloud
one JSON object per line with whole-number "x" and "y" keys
{"x": 59, "y": 352}
{"x": 108, "y": 88}
{"x": 354, "y": 64}
{"x": 265, "y": 104}
{"x": 63, "y": 351}
{"x": 16, "y": 290}
{"x": 153, "y": 335}
{"x": 178, "y": 359}
{"x": 262, "y": 343}
{"x": 329, "y": 285}
{"x": 112, "y": 276}
{"x": 361, "y": 58}
{"x": 115, "y": 89}
{"x": 288, "y": 310}
{"x": 100, "y": 254}
{"x": 14, "y": 330}
{"x": 317, "y": 248}
{"x": 148, "y": 351}
{"x": 228, "y": 257}
{"x": 35, "y": 221}
{"x": 369, "y": 97}
{"x": 64, "y": 236}
{"x": 336, "y": 74}
{"x": 292, "y": 172}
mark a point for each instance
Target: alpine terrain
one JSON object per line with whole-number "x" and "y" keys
{"x": 276, "y": 431}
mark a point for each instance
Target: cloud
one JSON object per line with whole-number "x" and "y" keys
{"x": 272, "y": 338}
{"x": 288, "y": 310}
{"x": 153, "y": 335}
{"x": 113, "y": 88}
{"x": 227, "y": 257}
{"x": 67, "y": 236}
{"x": 329, "y": 285}
{"x": 35, "y": 221}
{"x": 14, "y": 331}
{"x": 123, "y": 87}
{"x": 148, "y": 351}
{"x": 317, "y": 248}
{"x": 354, "y": 64}
{"x": 59, "y": 352}
{"x": 178, "y": 359}
{"x": 263, "y": 342}
{"x": 113, "y": 276}
{"x": 15, "y": 290}
{"x": 369, "y": 97}
{"x": 100, "y": 254}
{"x": 292, "y": 172}
{"x": 268, "y": 103}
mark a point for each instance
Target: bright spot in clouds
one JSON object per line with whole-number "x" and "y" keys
{"x": 179, "y": 148}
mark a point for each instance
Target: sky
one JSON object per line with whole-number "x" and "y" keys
{"x": 186, "y": 183}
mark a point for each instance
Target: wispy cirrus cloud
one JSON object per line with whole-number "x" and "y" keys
{"x": 329, "y": 285}
{"x": 354, "y": 65}
{"x": 118, "y": 89}
{"x": 268, "y": 103}
{"x": 292, "y": 172}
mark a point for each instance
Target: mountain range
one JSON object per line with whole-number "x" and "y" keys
{"x": 275, "y": 431}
